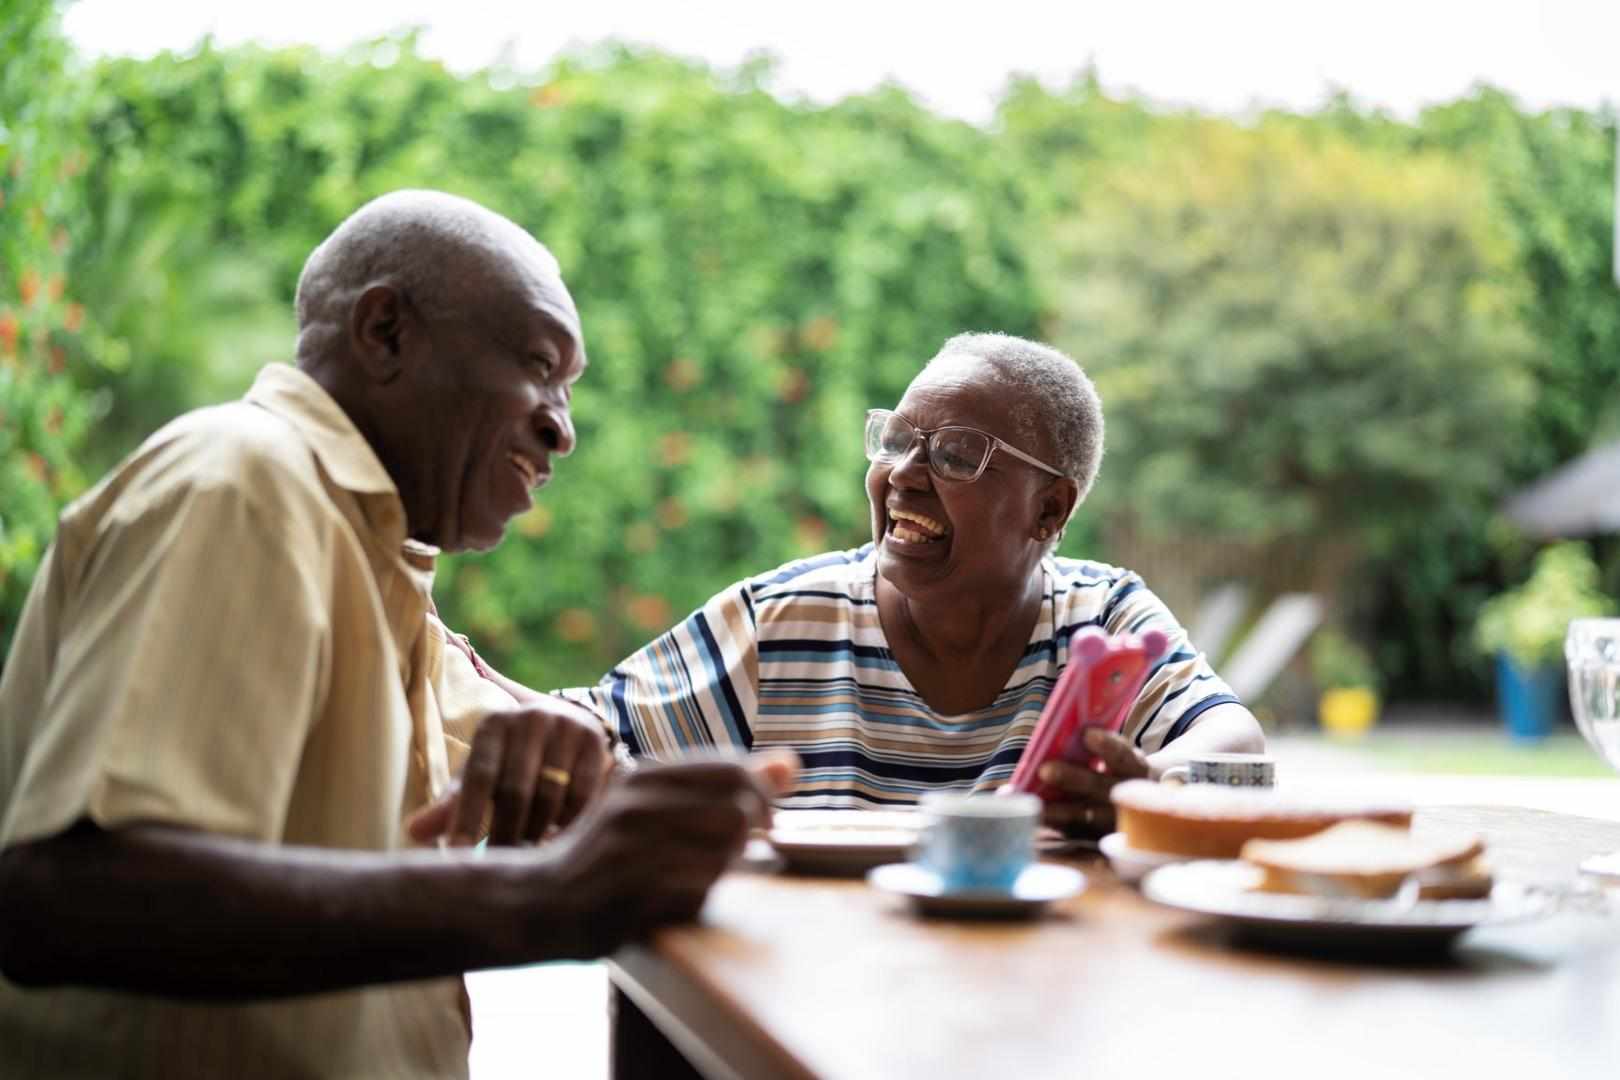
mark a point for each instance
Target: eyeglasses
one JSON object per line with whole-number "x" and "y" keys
{"x": 952, "y": 453}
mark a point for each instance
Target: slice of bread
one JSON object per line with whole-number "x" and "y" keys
{"x": 1366, "y": 860}
{"x": 1209, "y": 821}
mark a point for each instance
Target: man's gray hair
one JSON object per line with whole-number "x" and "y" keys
{"x": 1053, "y": 402}
{"x": 435, "y": 247}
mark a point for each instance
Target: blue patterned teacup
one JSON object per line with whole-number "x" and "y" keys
{"x": 977, "y": 842}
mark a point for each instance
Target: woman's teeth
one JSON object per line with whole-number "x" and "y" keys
{"x": 915, "y": 528}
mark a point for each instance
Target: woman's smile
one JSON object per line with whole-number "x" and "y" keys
{"x": 912, "y": 528}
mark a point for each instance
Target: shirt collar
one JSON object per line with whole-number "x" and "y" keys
{"x": 343, "y": 452}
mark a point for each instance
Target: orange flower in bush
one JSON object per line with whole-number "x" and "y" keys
{"x": 674, "y": 449}
{"x": 820, "y": 333}
{"x": 549, "y": 96}
{"x": 672, "y": 513}
{"x": 682, "y": 373}
{"x": 792, "y": 384}
{"x": 810, "y": 533}
{"x": 9, "y": 329}
{"x": 28, "y": 287}
{"x": 650, "y": 613}
{"x": 576, "y": 625}
{"x": 73, "y": 318}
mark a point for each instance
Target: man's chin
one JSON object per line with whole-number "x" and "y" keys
{"x": 480, "y": 539}
{"x": 455, "y": 536}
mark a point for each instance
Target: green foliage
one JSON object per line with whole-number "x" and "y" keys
{"x": 43, "y": 326}
{"x": 1294, "y": 337}
{"x": 753, "y": 276}
{"x": 1551, "y": 175}
{"x": 1329, "y": 328}
{"x": 1338, "y": 663}
{"x": 1528, "y": 622}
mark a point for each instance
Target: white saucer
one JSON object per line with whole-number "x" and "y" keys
{"x": 1606, "y": 868}
{"x": 1228, "y": 890}
{"x": 1037, "y": 886}
{"x": 1130, "y": 864}
{"x": 847, "y": 842}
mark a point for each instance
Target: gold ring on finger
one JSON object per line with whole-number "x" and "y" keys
{"x": 557, "y": 776}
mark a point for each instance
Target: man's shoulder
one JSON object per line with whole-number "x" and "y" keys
{"x": 235, "y": 451}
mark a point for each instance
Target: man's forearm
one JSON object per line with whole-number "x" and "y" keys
{"x": 172, "y": 912}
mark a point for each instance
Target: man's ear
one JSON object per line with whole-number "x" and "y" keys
{"x": 379, "y": 326}
{"x": 1057, "y": 505}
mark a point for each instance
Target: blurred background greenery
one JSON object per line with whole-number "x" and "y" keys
{"x": 1329, "y": 342}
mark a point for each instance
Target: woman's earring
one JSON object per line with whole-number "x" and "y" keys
{"x": 1043, "y": 534}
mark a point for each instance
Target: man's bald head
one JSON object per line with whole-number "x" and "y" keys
{"x": 446, "y": 335}
{"x": 443, "y": 253}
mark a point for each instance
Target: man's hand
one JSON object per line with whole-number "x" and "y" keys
{"x": 1086, "y": 810}
{"x": 529, "y": 768}
{"x": 646, "y": 852}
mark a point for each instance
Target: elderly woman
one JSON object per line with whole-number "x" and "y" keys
{"x": 921, "y": 661}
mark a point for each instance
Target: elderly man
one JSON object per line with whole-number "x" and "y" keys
{"x": 227, "y": 691}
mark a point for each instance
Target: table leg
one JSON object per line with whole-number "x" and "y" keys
{"x": 639, "y": 1051}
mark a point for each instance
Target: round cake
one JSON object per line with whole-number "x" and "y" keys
{"x": 1208, "y": 821}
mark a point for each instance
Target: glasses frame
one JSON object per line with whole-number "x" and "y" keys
{"x": 927, "y": 434}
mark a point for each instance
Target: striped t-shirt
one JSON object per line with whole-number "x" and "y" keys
{"x": 796, "y": 658}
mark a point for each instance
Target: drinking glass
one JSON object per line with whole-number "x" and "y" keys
{"x": 1592, "y": 649}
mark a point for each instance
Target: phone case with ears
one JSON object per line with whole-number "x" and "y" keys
{"x": 1096, "y": 689}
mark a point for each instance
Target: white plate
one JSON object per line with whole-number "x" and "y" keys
{"x": 1606, "y": 868}
{"x": 851, "y": 842}
{"x": 1131, "y": 864}
{"x": 843, "y": 841}
{"x": 1037, "y": 886}
{"x": 1225, "y": 889}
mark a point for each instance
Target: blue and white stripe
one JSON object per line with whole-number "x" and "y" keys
{"x": 797, "y": 658}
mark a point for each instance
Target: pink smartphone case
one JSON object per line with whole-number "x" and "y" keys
{"x": 1103, "y": 676}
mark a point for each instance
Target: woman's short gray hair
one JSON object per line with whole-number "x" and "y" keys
{"x": 1053, "y": 402}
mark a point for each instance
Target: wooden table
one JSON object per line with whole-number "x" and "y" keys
{"x": 806, "y": 977}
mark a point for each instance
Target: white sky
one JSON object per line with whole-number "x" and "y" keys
{"x": 1225, "y": 55}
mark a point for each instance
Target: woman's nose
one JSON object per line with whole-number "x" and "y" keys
{"x": 911, "y": 470}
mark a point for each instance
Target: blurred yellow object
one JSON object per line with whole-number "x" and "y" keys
{"x": 1347, "y": 711}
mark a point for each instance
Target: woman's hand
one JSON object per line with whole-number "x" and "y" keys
{"x": 1084, "y": 808}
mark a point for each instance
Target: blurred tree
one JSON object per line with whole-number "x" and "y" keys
{"x": 1552, "y": 176}
{"x": 1307, "y": 350}
{"x": 1294, "y": 337}
{"x": 753, "y": 274}
{"x": 45, "y": 333}
{"x": 1319, "y": 318}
